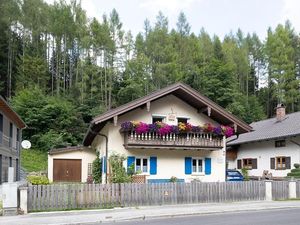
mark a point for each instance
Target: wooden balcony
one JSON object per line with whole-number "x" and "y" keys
{"x": 196, "y": 141}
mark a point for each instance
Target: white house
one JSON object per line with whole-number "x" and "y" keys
{"x": 190, "y": 151}
{"x": 273, "y": 146}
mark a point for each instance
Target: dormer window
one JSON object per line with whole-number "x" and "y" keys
{"x": 182, "y": 119}
{"x": 158, "y": 118}
{"x": 280, "y": 143}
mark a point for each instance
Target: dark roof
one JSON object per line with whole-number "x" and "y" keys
{"x": 11, "y": 114}
{"x": 66, "y": 149}
{"x": 180, "y": 90}
{"x": 270, "y": 129}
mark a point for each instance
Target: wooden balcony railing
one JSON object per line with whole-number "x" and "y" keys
{"x": 172, "y": 141}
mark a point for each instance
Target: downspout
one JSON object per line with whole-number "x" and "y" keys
{"x": 106, "y": 151}
{"x": 237, "y": 137}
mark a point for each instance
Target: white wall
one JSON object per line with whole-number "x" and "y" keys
{"x": 169, "y": 162}
{"x": 265, "y": 150}
{"x": 87, "y": 156}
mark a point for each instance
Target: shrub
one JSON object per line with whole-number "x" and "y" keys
{"x": 245, "y": 174}
{"x": 97, "y": 169}
{"x": 173, "y": 179}
{"x": 35, "y": 180}
{"x": 297, "y": 165}
{"x": 118, "y": 172}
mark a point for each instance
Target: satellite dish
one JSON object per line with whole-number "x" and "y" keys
{"x": 26, "y": 144}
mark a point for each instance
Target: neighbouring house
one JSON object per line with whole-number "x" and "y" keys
{"x": 172, "y": 132}
{"x": 271, "y": 148}
{"x": 70, "y": 164}
{"x": 11, "y": 126}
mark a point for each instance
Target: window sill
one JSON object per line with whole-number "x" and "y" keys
{"x": 198, "y": 174}
{"x": 142, "y": 174}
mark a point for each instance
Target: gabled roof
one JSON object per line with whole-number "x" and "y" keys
{"x": 11, "y": 114}
{"x": 180, "y": 90}
{"x": 66, "y": 149}
{"x": 270, "y": 129}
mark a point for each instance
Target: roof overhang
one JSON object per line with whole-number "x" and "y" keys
{"x": 11, "y": 114}
{"x": 236, "y": 143}
{"x": 180, "y": 90}
{"x": 55, "y": 151}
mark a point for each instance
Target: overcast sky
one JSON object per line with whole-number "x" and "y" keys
{"x": 216, "y": 16}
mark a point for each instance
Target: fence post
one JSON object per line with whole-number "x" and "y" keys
{"x": 292, "y": 189}
{"x": 23, "y": 199}
{"x": 268, "y": 190}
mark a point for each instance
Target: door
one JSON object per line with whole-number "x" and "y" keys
{"x": 67, "y": 170}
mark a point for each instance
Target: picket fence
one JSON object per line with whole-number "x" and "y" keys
{"x": 79, "y": 196}
{"x": 280, "y": 190}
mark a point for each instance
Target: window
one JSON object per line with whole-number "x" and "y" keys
{"x": 90, "y": 170}
{"x": 141, "y": 165}
{"x": 182, "y": 120}
{"x": 10, "y": 134}
{"x": 157, "y": 119}
{"x": 280, "y": 163}
{"x": 280, "y": 143}
{"x": 17, "y": 170}
{"x": 197, "y": 166}
{"x": 1, "y": 127}
{"x": 18, "y": 139}
{"x": 10, "y": 161}
{"x": 247, "y": 163}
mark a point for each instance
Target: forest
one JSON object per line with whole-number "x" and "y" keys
{"x": 59, "y": 67}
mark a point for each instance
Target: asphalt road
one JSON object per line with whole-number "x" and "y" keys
{"x": 264, "y": 217}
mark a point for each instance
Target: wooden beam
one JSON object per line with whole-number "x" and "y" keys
{"x": 235, "y": 127}
{"x": 148, "y": 106}
{"x": 115, "y": 121}
{"x": 208, "y": 111}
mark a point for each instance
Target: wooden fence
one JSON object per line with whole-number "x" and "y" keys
{"x": 298, "y": 189}
{"x": 75, "y": 196}
{"x": 280, "y": 190}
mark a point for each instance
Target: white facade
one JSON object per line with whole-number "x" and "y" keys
{"x": 169, "y": 162}
{"x": 87, "y": 156}
{"x": 265, "y": 150}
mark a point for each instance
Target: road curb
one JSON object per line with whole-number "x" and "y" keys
{"x": 162, "y": 216}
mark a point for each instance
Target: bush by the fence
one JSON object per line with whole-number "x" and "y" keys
{"x": 295, "y": 172}
{"x": 38, "y": 180}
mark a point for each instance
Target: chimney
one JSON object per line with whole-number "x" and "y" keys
{"x": 280, "y": 112}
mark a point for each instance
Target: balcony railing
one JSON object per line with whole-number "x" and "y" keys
{"x": 172, "y": 141}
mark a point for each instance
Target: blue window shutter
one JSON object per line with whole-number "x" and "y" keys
{"x": 188, "y": 165}
{"x": 153, "y": 165}
{"x": 130, "y": 161}
{"x": 103, "y": 159}
{"x": 207, "y": 166}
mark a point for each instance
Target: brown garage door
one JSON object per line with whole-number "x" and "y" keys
{"x": 67, "y": 170}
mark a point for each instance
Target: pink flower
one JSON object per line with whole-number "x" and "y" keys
{"x": 229, "y": 131}
{"x": 166, "y": 129}
{"x": 208, "y": 127}
{"x": 142, "y": 128}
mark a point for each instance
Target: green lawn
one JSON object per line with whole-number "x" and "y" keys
{"x": 33, "y": 160}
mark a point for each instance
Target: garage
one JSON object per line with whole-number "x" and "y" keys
{"x": 70, "y": 164}
{"x": 67, "y": 170}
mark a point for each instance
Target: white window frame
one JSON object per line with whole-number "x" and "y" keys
{"x": 197, "y": 166}
{"x": 148, "y": 165}
{"x": 183, "y": 117}
{"x": 163, "y": 117}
